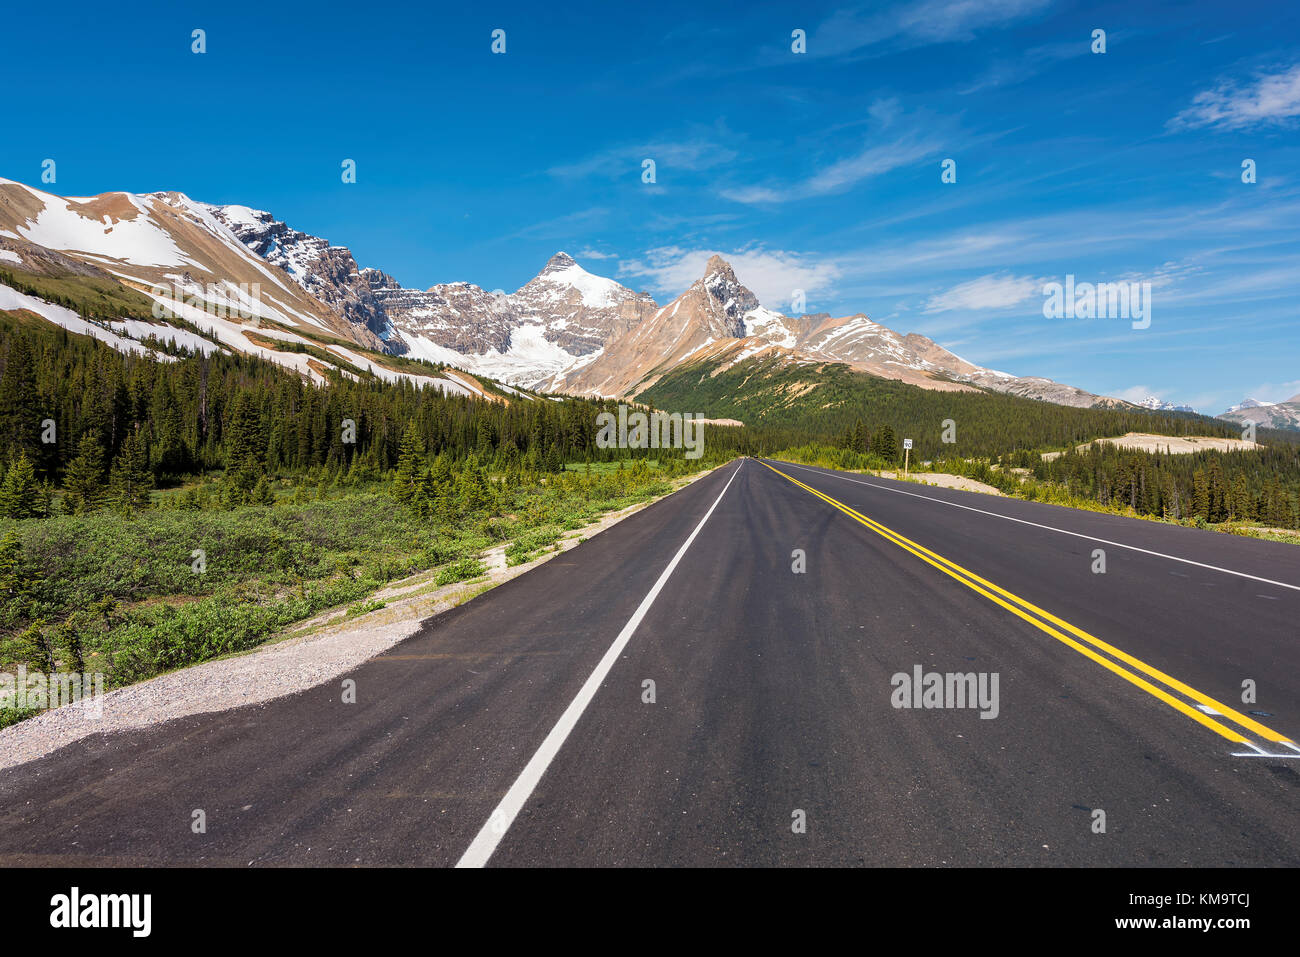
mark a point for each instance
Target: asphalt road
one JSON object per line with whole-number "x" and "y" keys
{"x": 516, "y": 730}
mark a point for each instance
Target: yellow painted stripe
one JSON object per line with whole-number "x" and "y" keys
{"x": 988, "y": 590}
{"x": 1225, "y": 710}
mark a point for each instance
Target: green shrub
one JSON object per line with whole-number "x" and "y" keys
{"x": 459, "y": 571}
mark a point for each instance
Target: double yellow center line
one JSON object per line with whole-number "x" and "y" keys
{"x": 1086, "y": 644}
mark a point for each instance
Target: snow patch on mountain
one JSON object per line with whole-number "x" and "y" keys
{"x": 530, "y": 358}
{"x": 563, "y": 273}
{"x": 140, "y": 330}
{"x": 130, "y": 236}
{"x": 12, "y": 299}
{"x": 770, "y": 326}
{"x": 1248, "y": 404}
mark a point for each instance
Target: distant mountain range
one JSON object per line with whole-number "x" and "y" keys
{"x": 565, "y": 331}
{"x": 1267, "y": 415}
{"x": 1158, "y": 405}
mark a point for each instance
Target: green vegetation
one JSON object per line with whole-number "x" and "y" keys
{"x": 459, "y": 571}
{"x": 364, "y": 608}
{"x": 788, "y": 405}
{"x": 527, "y": 547}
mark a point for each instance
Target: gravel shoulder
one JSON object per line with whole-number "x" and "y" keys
{"x": 943, "y": 480}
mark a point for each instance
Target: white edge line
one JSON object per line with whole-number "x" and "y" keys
{"x": 499, "y": 821}
{"x": 1050, "y": 528}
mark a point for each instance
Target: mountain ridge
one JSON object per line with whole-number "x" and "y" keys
{"x": 565, "y": 330}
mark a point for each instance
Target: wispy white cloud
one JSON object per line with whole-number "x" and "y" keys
{"x": 590, "y": 253}
{"x": 1007, "y": 71}
{"x": 691, "y": 155}
{"x": 885, "y": 110}
{"x": 1276, "y": 391}
{"x": 1137, "y": 393}
{"x": 757, "y": 194}
{"x": 1270, "y": 99}
{"x": 920, "y": 23}
{"x": 868, "y": 163}
{"x": 987, "y": 292}
{"x": 562, "y": 227}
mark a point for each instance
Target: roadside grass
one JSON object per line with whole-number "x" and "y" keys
{"x": 602, "y": 468}
{"x": 460, "y": 570}
{"x": 528, "y": 546}
{"x": 364, "y": 608}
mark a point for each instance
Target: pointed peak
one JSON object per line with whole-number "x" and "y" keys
{"x": 719, "y": 284}
{"x": 717, "y": 264}
{"x": 560, "y": 260}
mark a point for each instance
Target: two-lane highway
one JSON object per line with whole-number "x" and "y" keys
{"x": 714, "y": 681}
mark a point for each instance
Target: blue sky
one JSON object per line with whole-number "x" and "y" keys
{"x": 817, "y": 171}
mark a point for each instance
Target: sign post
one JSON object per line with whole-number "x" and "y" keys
{"x": 907, "y": 454}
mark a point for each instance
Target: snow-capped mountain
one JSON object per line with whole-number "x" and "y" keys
{"x": 561, "y": 315}
{"x": 177, "y": 256}
{"x": 167, "y": 241}
{"x": 713, "y": 308}
{"x": 524, "y": 337}
{"x": 570, "y": 330}
{"x": 1247, "y": 404}
{"x": 566, "y": 330}
{"x": 1268, "y": 415}
{"x": 329, "y": 273}
{"x": 1156, "y": 404}
{"x": 580, "y": 311}
{"x": 718, "y": 320}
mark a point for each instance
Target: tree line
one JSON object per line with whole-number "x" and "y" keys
{"x": 1254, "y": 485}
{"x": 87, "y": 426}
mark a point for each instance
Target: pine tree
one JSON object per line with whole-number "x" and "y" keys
{"x": 858, "y": 437}
{"x": 131, "y": 481}
{"x": 552, "y": 462}
{"x": 1200, "y": 495}
{"x": 474, "y": 491}
{"x": 242, "y": 475}
{"x": 18, "y": 394}
{"x": 16, "y": 581}
{"x": 83, "y": 483}
{"x": 262, "y": 493}
{"x": 20, "y": 494}
{"x": 885, "y": 444}
{"x": 410, "y": 456}
{"x": 32, "y": 647}
{"x": 1216, "y": 492}
{"x": 1243, "y": 506}
{"x": 171, "y": 455}
{"x": 244, "y": 438}
{"x": 441, "y": 483}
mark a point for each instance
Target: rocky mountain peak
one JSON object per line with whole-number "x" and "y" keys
{"x": 327, "y": 272}
{"x": 727, "y": 292}
{"x": 719, "y": 265}
{"x": 559, "y": 261}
